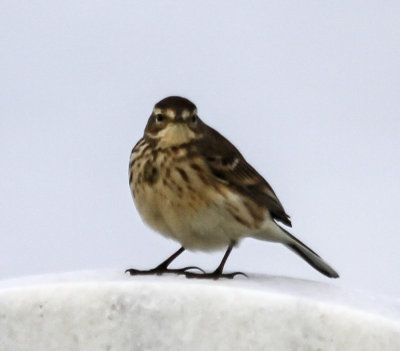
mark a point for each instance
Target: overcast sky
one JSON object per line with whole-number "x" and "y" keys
{"x": 309, "y": 91}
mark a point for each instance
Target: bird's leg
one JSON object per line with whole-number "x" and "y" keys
{"x": 218, "y": 272}
{"x": 163, "y": 267}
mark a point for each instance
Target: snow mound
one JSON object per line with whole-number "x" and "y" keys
{"x": 113, "y": 312}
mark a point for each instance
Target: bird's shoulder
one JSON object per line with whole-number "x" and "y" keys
{"x": 229, "y": 166}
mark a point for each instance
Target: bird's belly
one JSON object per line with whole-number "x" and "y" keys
{"x": 198, "y": 215}
{"x": 198, "y": 224}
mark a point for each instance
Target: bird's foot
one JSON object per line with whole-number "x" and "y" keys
{"x": 162, "y": 270}
{"x": 214, "y": 275}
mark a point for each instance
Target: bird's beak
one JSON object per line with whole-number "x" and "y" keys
{"x": 179, "y": 119}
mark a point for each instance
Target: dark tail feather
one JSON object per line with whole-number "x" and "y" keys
{"x": 310, "y": 256}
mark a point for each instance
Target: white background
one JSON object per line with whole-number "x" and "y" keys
{"x": 307, "y": 90}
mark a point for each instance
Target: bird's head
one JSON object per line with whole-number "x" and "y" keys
{"x": 174, "y": 122}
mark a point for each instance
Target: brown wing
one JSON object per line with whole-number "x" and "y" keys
{"x": 229, "y": 166}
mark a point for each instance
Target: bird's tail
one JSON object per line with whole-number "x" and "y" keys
{"x": 309, "y": 255}
{"x": 278, "y": 234}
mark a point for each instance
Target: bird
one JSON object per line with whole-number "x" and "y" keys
{"x": 191, "y": 184}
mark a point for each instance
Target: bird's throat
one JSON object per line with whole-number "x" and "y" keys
{"x": 175, "y": 134}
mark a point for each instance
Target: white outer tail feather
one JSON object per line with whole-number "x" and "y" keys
{"x": 278, "y": 234}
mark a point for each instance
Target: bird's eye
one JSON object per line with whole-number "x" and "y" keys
{"x": 194, "y": 119}
{"x": 159, "y": 117}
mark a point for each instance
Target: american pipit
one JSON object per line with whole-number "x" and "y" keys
{"x": 191, "y": 184}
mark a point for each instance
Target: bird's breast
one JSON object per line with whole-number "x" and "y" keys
{"x": 177, "y": 195}
{"x": 168, "y": 188}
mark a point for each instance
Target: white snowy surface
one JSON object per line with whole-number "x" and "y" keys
{"x": 110, "y": 311}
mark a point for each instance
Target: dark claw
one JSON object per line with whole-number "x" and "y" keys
{"x": 213, "y": 275}
{"x": 183, "y": 270}
{"x": 133, "y": 271}
{"x": 161, "y": 270}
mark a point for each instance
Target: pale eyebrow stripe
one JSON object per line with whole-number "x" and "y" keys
{"x": 168, "y": 112}
{"x": 185, "y": 114}
{"x": 188, "y": 113}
